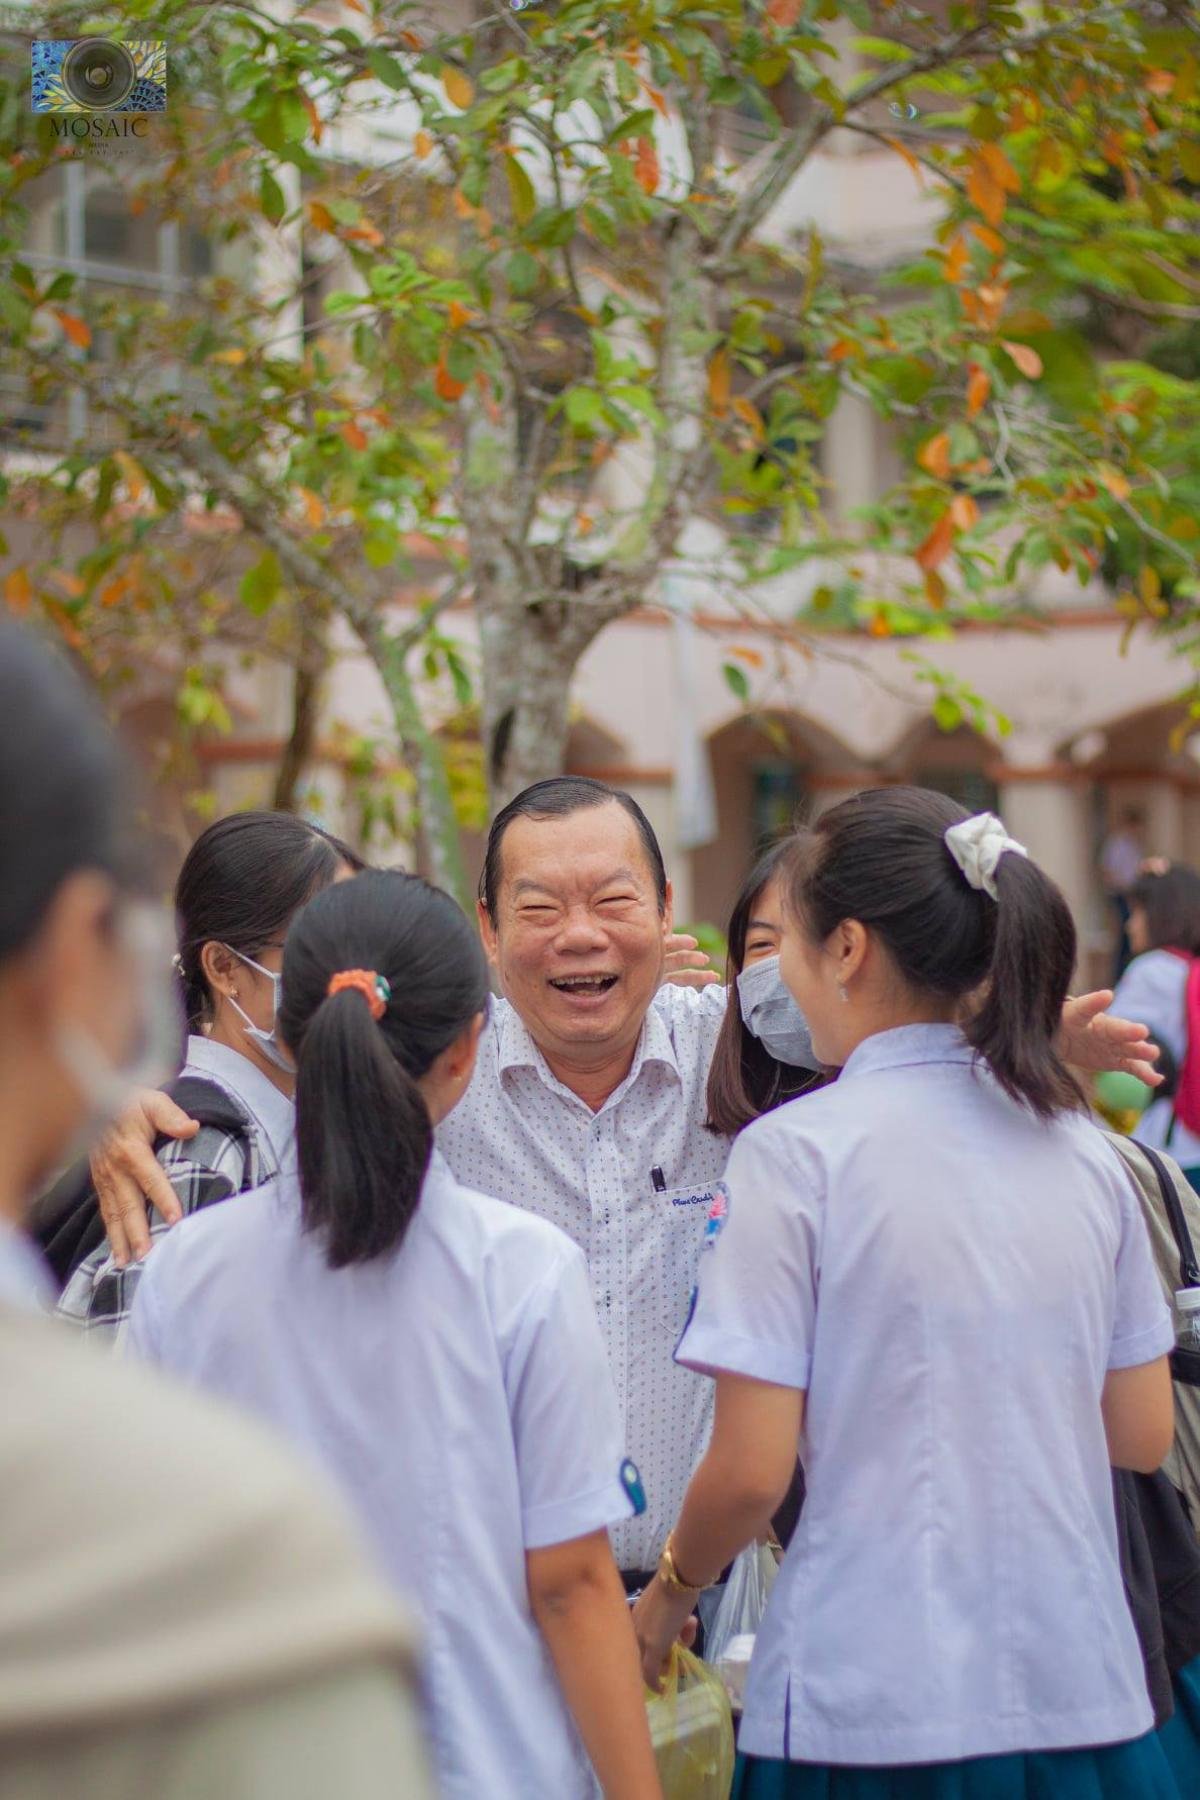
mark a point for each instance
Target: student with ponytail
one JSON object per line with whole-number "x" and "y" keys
{"x": 436, "y": 1350}
{"x": 935, "y": 1274}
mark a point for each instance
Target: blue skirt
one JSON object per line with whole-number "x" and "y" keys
{"x": 1180, "y": 1736}
{"x": 1139, "y": 1770}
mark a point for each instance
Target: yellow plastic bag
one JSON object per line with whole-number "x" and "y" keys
{"x": 691, "y": 1728}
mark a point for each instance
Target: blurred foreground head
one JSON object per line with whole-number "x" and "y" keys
{"x": 76, "y": 969}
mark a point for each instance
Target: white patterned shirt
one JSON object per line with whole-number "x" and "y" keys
{"x": 632, "y": 1184}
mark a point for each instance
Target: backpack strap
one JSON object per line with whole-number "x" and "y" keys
{"x": 1189, "y": 1269}
{"x": 67, "y": 1223}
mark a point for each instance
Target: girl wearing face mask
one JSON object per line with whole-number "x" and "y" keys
{"x": 436, "y": 1350}
{"x": 241, "y": 883}
{"x": 935, "y": 1274}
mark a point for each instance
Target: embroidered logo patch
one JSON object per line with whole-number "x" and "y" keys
{"x": 631, "y": 1481}
{"x": 718, "y": 1212}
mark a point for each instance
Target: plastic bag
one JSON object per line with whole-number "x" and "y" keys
{"x": 743, "y": 1603}
{"x": 691, "y": 1728}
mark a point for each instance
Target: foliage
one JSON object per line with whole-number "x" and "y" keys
{"x": 567, "y": 323}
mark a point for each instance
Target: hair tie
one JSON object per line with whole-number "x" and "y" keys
{"x": 375, "y": 989}
{"x": 977, "y": 845}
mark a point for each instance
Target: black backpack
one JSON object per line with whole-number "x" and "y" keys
{"x": 66, "y": 1223}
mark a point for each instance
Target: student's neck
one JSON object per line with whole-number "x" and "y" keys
{"x": 233, "y": 1038}
{"x": 593, "y": 1083}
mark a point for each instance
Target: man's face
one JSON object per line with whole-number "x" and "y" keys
{"x": 578, "y": 936}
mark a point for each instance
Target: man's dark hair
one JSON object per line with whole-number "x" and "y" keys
{"x": 558, "y": 798}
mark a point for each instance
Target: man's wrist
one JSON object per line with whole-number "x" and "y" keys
{"x": 672, "y": 1577}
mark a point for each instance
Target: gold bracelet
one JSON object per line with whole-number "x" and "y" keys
{"x": 669, "y": 1574}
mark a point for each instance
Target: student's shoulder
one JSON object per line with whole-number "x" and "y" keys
{"x": 167, "y": 1550}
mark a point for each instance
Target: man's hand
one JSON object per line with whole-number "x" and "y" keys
{"x": 126, "y": 1173}
{"x": 1092, "y": 1039}
{"x": 686, "y": 965}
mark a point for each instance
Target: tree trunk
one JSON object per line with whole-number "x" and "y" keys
{"x": 298, "y": 751}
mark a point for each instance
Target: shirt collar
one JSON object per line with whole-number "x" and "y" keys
{"x": 271, "y": 1110}
{"x": 24, "y": 1280}
{"x": 906, "y": 1046}
{"x": 515, "y": 1049}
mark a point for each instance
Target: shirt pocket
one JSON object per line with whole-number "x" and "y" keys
{"x": 681, "y": 1222}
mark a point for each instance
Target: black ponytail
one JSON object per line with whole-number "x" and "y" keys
{"x": 881, "y": 858}
{"x": 363, "y": 1132}
{"x": 241, "y": 883}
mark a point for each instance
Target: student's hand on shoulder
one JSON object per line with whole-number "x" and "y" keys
{"x": 1092, "y": 1038}
{"x": 686, "y": 965}
{"x": 126, "y": 1173}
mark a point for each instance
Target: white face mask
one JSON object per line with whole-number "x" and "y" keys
{"x": 145, "y": 935}
{"x": 771, "y": 1015}
{"x": 267, "y": 1041}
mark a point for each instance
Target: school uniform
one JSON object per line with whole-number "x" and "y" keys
{"x": 211, "y": 1166}
{"x": 949, "y": 1280}
{"x": 458, "y": 1391}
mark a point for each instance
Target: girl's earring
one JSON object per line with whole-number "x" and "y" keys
{"x": 842, "y": 994}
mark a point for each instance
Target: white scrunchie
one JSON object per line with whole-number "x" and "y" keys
{"x": 977, "y": 846}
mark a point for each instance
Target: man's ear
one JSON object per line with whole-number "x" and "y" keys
{"x": 668, "y": 915}
{"x": 487, "y": 932}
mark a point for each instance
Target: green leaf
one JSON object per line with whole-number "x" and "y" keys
{"x": 583, "y": 407}
{"x": 736, "y": 680}
{"x": 520, "y": 190}
{"x": 271, "y": 198}
{"x": 260, "y": 585}
{"x": 522, "y": 272}
{"x": 388, "y": 69}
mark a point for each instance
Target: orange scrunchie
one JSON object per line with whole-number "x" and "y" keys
{"x": 373, "y": 988}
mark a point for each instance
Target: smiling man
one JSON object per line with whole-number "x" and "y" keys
{"x": 588, "y": 1100}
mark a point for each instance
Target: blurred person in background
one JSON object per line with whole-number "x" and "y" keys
{"x": 239, "y": 1644}
{"x": 1120, "y": 863}
{"x": 1162, "y": 985}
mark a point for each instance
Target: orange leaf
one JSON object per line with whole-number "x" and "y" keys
{"x": 657, "y": 100}
{"x": 356, "y": 6}
{"x": 749, "y": 414}
{"x": 320, "y": 217}
{"x": 423, "y": 145}
{"x": 991, "y": 240}
{"x": 460, "y": 315}
{"x": 412, "y": 40}
{"x": 1026, "y": 358}
{"x": 114, "y": 590}
{"x": 231, "y": 357}
{"x": 18, "y": 591}
{"x": 880, "y": 625}
{"x": 68, "y": 629}
{"x": 79, "y": 332}
{"x": 460, "y": 89}
{"x": 934, "y": 456}
{"x": 963, "y": 512}
{"x": 135, "y": 481}
{"x": 840, "y": 350}
{"x": 1117, "y": 484}
{"x": 445, "y": 384}
{"x": 584, "y": 523}
{"x": 979, "y": 386}
{"x": 984, "y": 191}
{"x": 365, "y": 233}
{"x": 904, "y": 151}
{"x": 1160, "y": 82}
{"x": 720, "y": 376}
{"x": 935, "y": 590}
{"x": 314, "y": 507}
{"x": 462, "y": 205}
{"x": 748, "y": 654}
{"x": 957, "y": 258}
{"x": 354, "y": 435}
{"x": 784, "y": 13}
{"x": 936, "y": 547}
{"x": 314, "y": 117}
{"x": 645, "y": 165}
{"x": 68, "y": 584}
{"x": 1000, "y": 169}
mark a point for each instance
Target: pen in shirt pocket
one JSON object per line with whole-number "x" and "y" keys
{"x": 658, "y": 1180}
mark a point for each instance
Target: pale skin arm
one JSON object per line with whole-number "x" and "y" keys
{"x": 581, "y": 1612}
{"x": 729, "y": 1504}
{"x": 1138, "y": 1407}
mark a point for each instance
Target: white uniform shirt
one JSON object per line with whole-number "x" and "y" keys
{"x": 522, "y": 1135}
{"x": 950, "y": 1281}
{"x": 1154, "y": 990}
{"x": 459, "y": 1394}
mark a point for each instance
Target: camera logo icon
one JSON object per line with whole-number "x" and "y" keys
{"x": 92, "y": 75}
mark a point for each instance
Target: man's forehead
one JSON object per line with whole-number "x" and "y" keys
{"x": 597, "y": 843}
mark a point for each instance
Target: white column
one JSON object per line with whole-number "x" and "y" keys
{"x": 1046, "y": 810}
